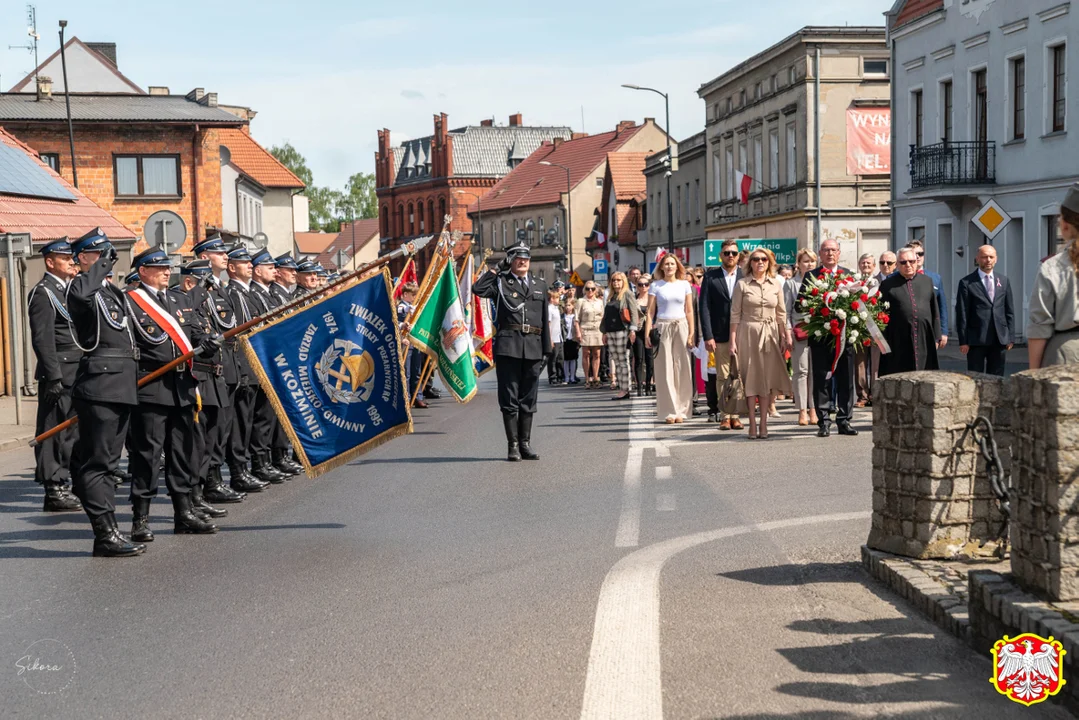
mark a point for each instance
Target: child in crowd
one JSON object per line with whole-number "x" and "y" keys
{"x": 570, "y": 347}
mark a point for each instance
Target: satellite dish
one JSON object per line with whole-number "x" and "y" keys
{"x": 260, "y": 239}
{"x": 166, "y": 229}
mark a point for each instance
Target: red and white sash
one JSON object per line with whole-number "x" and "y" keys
{"x": 165, "y": 321}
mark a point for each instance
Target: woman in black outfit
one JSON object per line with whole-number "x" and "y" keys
{"x": 642, "y": 356}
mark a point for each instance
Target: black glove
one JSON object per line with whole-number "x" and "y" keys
{"x": 109, "y": 254}
{"x": 504, "y": 264}
{"x": 208, "y": 282}
{"x": 210, "y": 346}
{"x": 52, "y": 391}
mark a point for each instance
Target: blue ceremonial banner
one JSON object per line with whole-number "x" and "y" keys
{"x": 333, "y": 373}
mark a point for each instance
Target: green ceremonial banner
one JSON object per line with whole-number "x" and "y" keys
{"x": 439, "y": 329}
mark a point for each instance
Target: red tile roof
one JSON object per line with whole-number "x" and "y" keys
{"x": 627, "y": 174}
{"x": 533, "y": 184}
{"x": 312, "y": 243}
{"x": 47, "y": 219}
{"x": 914, "y": 9}
{"x": 365, "y": 231}
{"x": 256, "y": 162}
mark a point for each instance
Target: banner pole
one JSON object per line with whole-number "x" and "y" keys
{"x": 407, "y": 249}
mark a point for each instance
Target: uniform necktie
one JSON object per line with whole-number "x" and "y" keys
{"x": 161, "y": 299}
{"x": 989, "y": 286}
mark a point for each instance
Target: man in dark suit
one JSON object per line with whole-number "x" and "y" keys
{"x": 984, "y": 315}
{"x": 51, "y": 336}
{"x": 714, "y": 310}
{"x": 821, "y": 355}
{"x": 522, "y": 342}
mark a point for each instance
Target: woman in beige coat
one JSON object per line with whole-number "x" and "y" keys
{"x": 760, "y": 336}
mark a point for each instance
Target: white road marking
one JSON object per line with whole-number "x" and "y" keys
{"x": 665, "y": 502}
{"x": 641, "y": 436}
{"x": 663, "y": 472}
{"x": 624, "y": 681}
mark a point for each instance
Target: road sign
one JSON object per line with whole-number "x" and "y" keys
{"x": 575, "y": 279}
{"x": 991, "y": 219}
{"x": 601, "y": 278}
{"x": 599, "y": 267}
{"x": 785, "y": 249}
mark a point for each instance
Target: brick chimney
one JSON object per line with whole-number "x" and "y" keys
{"x": 44, "y": 88}
{"x": 515, "y": 120}
{"x": 158, "y": 90}
{"x": 107, "y": 50}
{"x": 196, "y": 95}
{"x": 578, "y": 135}
{"x": 557, "y": 141}
{"x": 487, "y": 123}
{"x": 625, "y": 125}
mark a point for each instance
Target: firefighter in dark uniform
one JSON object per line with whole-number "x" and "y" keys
{"x": 521, "y": 344}
{"x": 284, "y": 285}
{"x": 163, "y": 321}
{"x": 209, "y": 297}
{"x": 237, "y": 449}
{"x": 265, "y": 425}
{"x": 104, "y": 392}
{"x": 52, "y": 338}
{"x": 131, "y": 280}
{"x": 213, "y": 391}
{"x": 306, "y": 278}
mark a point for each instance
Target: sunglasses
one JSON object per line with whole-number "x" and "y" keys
{"x": 730, "y": 253}
{"x": 642, "y": 284}
{"x": 886, "y": 263}
{"x": 589, "y": 288}
{"x": 921, "y": 254}
{"x": 907, "y": 262}
{"x": 758, "y": 259}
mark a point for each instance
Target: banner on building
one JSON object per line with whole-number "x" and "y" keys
{"x": 869, "y": 141}
{"x": 334, "y": 375}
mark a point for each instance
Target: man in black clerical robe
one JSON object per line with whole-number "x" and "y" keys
{"x": 913, "y": 330}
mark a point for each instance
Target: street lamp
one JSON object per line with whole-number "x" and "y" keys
{"x": 479, "y": 217}
{"x": 568, "y": 212}
{"x": 670, "y": 162}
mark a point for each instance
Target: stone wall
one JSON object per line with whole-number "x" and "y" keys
{"x": 931, "y": 496}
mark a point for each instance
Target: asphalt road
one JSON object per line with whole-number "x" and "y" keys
{"x": 634, "y": 571}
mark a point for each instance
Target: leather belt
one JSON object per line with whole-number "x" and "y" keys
{"x": 151, "y": 367}
{"x": 114, "y": 353}
{"x": 212, "y": 369}
{"x": 526, "y": 329}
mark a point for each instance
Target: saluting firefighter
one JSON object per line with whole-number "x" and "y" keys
{"x": 105, "y": 390}
{"x": 266, "y": 424}
{"x": 521, "y": 344}
{"x": 165, "y": 327}
{"x": 237, "y": 451}
{"x": 58, "y": 355}
{"x": 209, "y": 371}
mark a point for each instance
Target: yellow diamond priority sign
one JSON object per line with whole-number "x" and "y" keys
{"x": 991, "y": 219}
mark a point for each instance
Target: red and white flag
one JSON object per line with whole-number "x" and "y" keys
{"x": 743, "y": 182}
{"x": 601, "y": 239}
{"x": 407, "y": 275}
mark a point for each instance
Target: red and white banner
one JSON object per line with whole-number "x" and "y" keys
{"x": 743, "y": 183}
{"x": 407, "y": 275}
{"x": 869, "y": 141}
{"x": 163, "y": 320}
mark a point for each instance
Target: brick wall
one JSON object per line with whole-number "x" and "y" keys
{"x": 94, "y": 150}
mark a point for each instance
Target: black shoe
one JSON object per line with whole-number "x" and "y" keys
{"x": 57, "y": 499}
{"x": 713, "y": 418}
{"x": 264, "y": 471}
{"x": 243, "y": 482}
{"x": 524, "y": 434}
{"x": 509, "y": 423}
{"x": 285, "y": 464}
{"x": 198, "y": 502}
{"x": 108, "y": 542}
{"x": 824, "y": 430}
{"x": 845, "y": 429}
{"x": 140, "y": 521}
{"x": 185, "y": 520}
{"x": 431, "y": 393}
{"x": 216, "y": 491}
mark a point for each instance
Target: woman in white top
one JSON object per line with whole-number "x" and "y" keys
{"x": 670, "y": 312}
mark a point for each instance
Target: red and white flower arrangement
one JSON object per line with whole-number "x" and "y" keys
{"x": 842, "y": 309}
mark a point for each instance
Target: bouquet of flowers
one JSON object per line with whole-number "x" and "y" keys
{"x": 843, "y": 309}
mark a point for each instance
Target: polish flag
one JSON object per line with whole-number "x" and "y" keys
{"x": 601, "y": 239}
{"x": 743, "y": 182}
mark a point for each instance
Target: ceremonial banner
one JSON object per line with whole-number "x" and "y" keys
{"x": 407, "y": 275}
{"x": 334, "y": 375}
{"x": 439, "y": 329}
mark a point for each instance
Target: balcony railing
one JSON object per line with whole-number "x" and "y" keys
{"x": 953, "y": 163}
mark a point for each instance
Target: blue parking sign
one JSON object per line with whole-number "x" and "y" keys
{"x": 599, "y": 267}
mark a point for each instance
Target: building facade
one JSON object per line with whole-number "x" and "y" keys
{"x": 422, "y": 181}
{"x": 560, "y": 184}
{"x": 689, "y": 188}
{"x": 980, "y": 97}
{"x": 807, "y": 120}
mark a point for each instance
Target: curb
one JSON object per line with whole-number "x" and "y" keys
{"x": 946, "y": 608}
{"x": 14, "y": 443}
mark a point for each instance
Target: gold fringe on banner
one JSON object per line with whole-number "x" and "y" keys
{"x": 337, "y": 461}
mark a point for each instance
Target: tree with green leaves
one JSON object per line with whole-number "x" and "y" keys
{"x": 328, "y": 208}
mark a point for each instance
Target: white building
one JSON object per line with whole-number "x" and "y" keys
{"x": 979, "y": 98}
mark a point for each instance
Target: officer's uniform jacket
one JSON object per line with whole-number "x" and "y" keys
{"x": 521, "y": 305}
{"x": 262, "y": 298}
{"x": 51, "y": 332}
{"x": 176, "y": 387}
{"x": 107, "y": 371}
{"x": 244, "y": 310}
{"x": 216, "y": 372}
{"x": 281, "y": 294}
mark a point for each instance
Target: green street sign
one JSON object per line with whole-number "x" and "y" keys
{"x": 785, "y": 249}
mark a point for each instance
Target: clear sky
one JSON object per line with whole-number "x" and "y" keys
{"x": 325, "y": 75}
